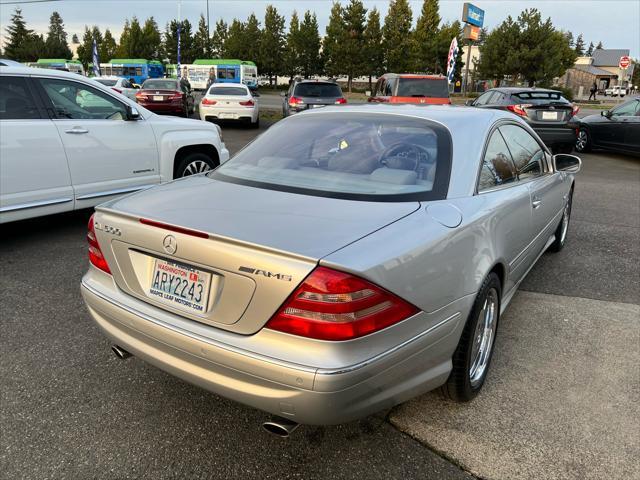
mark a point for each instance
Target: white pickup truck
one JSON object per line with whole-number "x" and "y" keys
{"x": 615, "y": 91}
{"x": 69, "y": 143}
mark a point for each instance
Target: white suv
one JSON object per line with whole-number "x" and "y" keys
{"x": 67, "y": 143}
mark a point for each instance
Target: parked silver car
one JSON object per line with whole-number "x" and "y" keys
{"x": 327, "y": 278}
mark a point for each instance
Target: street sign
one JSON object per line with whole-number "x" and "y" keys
{"x": 472, "y": 15}
{"x": 624, "y": 63}
{"x": 471, "y": 33}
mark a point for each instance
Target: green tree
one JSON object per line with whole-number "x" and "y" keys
{"x": 150, "y": 46}
{"x": 21, "y": 44}
{"x": 85, "y": 49}
{"x": 56, "y": 43}
{"x": 108, "y": 48}
{"x": 124, "y": 47}
{"x": 218, "y": 40}
{"x": 373, "y": 46}
{"x": 600, "y": 46}
{"x": 396, "y": 35}
{"x": 251, "y": 36}
{"x": 425, "y": 37}
{"x": 354, "y": 62}
{"x": 499, "y": 50}
{"x": 310, "y": 61}
{"x": 74, "y": 39}
{"x": 579, "y": 46}
{"x": 136, "y": 47}
{"x": 569, "y": 36}
{"x": 333, "y": 51}
{"x": 201, "y": 43}
{"x": 590, "y": 49}
{"x": 170, "y": 43}
{"x": 272, "y": 55}
{"x": 441, "y": 49}
{"x": 293, "y": 47}
{"x": 235, "y": 46}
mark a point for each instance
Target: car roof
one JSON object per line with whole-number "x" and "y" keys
{"x": 524, "y": 90}
{"x": 10, "y": 63}
{"x": 23, "y": 70}
{"x": 228, "y": 84}
{"x": 314, "y": 80}
{"x": 414, "y": 75}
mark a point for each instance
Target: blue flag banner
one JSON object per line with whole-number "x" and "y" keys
{"x": 178, "y": 51}
{"x": 451, "y": 59}
{"x": 96, "y": 59}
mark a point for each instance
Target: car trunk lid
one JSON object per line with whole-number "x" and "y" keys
{"x": 250, "y": 247}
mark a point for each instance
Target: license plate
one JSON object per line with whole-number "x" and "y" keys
{"x": 180, "y": 286}
{"x": 227, "y": 115}
{"x": 549, "y": 115}
{"x": 316, "y": 106}
{"x": 158, "y": 98}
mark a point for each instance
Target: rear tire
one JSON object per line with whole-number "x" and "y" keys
{"x": 256, "y": 124}
{"x": 472, "y": 357}
{"x": 563, "y": 227}
{"x": 583, "y": 142}
{"x": 193, "y": 164}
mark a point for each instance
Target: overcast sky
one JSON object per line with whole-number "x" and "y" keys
{"x": 614, "y": 22}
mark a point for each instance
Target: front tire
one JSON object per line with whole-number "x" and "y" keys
{"x": 473, "y": 355}
{"x": 193, "y": 164}
{"x": 563, "y": 228}
{"x": 583, "y": 142}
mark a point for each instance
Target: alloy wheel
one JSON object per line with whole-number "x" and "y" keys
{"x": 195, "y": 167}
{"x": 582, "y": 141}
{"x": 565, "y": 221}
{"x": 483, "y": 338}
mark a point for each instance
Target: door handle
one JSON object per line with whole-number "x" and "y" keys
{"x": 77, "y": 130}
{"x": 536, "y": 203}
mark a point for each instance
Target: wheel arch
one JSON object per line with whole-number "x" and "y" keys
{"x": 205, "y": 148}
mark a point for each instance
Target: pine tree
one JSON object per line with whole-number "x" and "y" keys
{"x": 310, "y": 61}
{"x": 600, "y": 46}
{"x": 151, "y": 40}
{"x": 252, "y": 40}
{"x": 569, "y": 36}
{"x": 219, "y": 39}
{"x": 373, "y": 45}
{"x": 74, "y": 39}
{"x": 579, "y": 46}
{"x": 272, "y": 56}
{"x": 108, "y": 48}
{"x": 56, "y": 42}
{"x": 590, "y": 49}
{"x": 235, "y": 45}
{"x": 441, "y": 49}
{"x": 170, "y": 43}
{"x": 21, "y": 43}
{"x": 124, "y": 46}
{"x": 136, "y": 44}
{"x": 397, "y": 37}
{"x": 201, "y": 48}
{"x": 425, "y": 37}
{"x": 293, "y": 47}
{"x": 354, "y": 46}
{"x": 85, "y": 49}
{"x": 333, "y": 42}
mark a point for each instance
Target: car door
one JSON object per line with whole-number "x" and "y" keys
{"x": 546, "y": 187}
{"x": 632, "y": 130}
{"x": 107, "y": 155}
{"x": 510, "y": 204}
{"x": 34, "y": 175}
{"x": 612, "y": 128}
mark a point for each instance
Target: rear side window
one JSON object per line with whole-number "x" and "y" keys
{"x": 528, "y": 155}
{"x": 423, "y": 87}
{"x": 497, "y": 164}
{"x": 539, "y": 98}
{"x": 108, "y": 83}
{"x": 16, "y": 102}
{"x": 317, "y": 90}
{"x": 484, "y": 98}
{"x": 227, "y": 91}
{"x": 356, "y": 156}
{"x": 160, "y": 85}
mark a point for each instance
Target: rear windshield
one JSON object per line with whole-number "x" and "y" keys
{"x": 317, "y": 90}
{"x": 107, "y": 83}
{"x": 160, "y": 85}
{"x": 227, "y": 91}
{"x": 540, "y": 98}
{"x": 357, "y": 156}
{"x": 423, "y": 87}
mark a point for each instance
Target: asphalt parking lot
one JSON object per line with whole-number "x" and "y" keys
{"x": 70, "y": 409}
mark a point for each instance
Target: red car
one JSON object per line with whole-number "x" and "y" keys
{"x": 165, "y": 95}
{"x": 411, "y": 88}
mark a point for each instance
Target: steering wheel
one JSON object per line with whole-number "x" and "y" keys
{"x": 403, "y": 156}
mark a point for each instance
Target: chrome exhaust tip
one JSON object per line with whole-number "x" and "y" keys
{"x": 120, "y": 352}
{"x": 281, "y": 427}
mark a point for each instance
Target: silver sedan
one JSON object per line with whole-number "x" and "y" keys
{"x": 347, "y": 260}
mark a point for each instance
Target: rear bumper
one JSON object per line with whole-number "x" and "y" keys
{"x": 308, "y": 395}
{"x": 162, "y": 107}
{"x": 561, "y": 135}
{"x": 247, "y": 113}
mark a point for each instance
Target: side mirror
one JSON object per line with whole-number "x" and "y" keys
{"x": 469, "y": 103}
{"x": 606, "y": 113}
{"x": 283, "y": 94}
{"x": 368, "y": 93}
{"x": 563, "y": 162}
{"x": 132, "y": 113}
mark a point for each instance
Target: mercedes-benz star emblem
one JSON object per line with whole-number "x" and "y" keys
{"x": 170, "y": 244}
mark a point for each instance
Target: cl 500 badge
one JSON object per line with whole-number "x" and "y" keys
{"x": 107, "y": 229}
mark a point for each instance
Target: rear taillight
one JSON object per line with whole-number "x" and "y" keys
{"x": 95, "y": 254}
{"x": 575, "y": 109}
{"x": 293, "y": 101}
{"x": 519, "y": 109}
{"x": 248, "y": 103}
{"x": 341, "y": 100}
{"x": 176, "y": 96}
{"x": 208, "y": 101}
{"x": 140, "y": 95}
{"x": 116, "y": 89}
{"x": 333, "y": 305}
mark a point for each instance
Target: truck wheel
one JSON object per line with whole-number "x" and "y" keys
{"x": 193, "y": 164}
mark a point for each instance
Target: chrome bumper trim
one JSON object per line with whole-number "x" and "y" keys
{"x": 117, "y": 191}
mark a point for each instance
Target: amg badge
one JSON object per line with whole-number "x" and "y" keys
{"x": 265, "y": 273}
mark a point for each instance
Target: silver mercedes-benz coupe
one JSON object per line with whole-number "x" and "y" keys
{"x": 348, "y": 259}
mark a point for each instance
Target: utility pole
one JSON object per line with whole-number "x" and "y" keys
{"x": 179, "y": 28}
{"x": 208, "y": 32}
